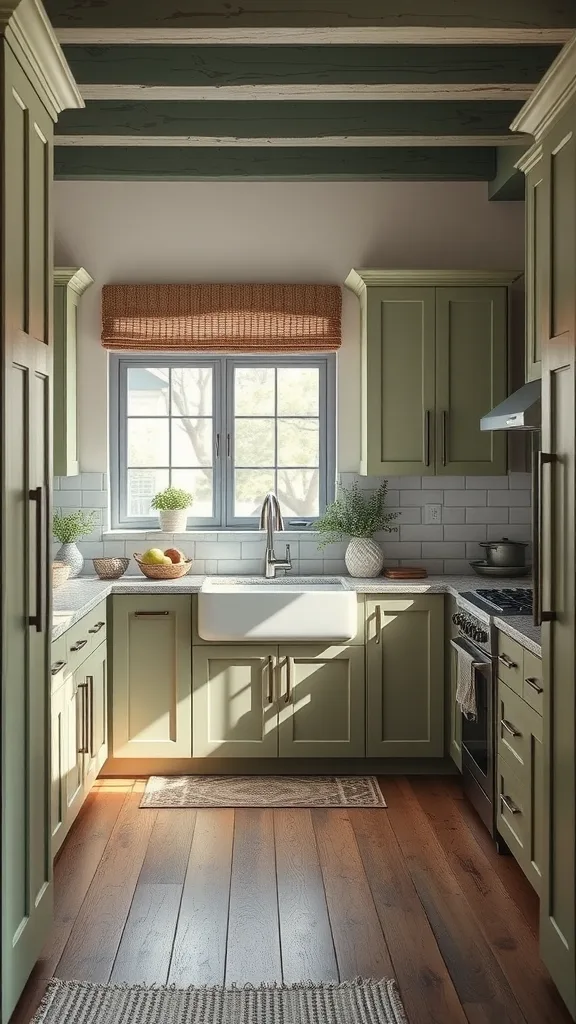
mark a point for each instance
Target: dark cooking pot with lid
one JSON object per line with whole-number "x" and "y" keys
{"x": 505, "y": 552}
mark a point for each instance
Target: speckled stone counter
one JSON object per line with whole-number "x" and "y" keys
{"x": 76, "y": 598}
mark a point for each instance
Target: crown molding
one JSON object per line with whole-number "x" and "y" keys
{"x": 529, "y": 159}
{"x": 29, "y": 34}
{"x": 75, "y": 278}
{"x": 359, "y": 280}
{"x": 550, "y": 98}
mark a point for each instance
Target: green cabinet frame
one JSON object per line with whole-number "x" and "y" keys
{"x": 69, "y": 284}
{"x": 434, "y": 355}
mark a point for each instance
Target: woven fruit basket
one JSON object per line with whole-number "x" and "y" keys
{"x": 110, "y": 568}
{"x": 60, "y": 573}
{"x": 163, "y": 572}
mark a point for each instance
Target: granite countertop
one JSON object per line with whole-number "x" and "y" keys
{"x": 79, "y": 596}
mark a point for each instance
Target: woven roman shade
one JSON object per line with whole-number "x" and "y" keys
{"x": 221, "y": 317}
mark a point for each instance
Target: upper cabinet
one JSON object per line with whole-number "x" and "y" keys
{"x": 434, "y": 361}
{"x": 536, "y": 282}
{"x": 69, "y": 284}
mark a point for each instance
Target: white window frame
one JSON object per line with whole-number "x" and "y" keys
{"x": 223, "y": 434}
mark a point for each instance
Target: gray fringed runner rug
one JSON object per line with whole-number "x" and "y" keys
{"x": 358, "y": 1002}
{"x": 262, "y": 791}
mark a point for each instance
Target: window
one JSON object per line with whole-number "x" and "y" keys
{"x": 226, "y": 429}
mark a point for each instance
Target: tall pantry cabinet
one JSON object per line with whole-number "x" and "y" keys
{"x": 550, "y": 168}
{"x": 35, "y": 86}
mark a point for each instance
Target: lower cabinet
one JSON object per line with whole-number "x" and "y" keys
{"x": 290, "y": 701}
{"x": 405, "y": 676}
{"x": 454, "y": 714}
{"x": 78, "y": 738}
{"x": 151, "y": 676}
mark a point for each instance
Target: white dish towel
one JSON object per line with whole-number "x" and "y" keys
{"x": 466, "y": 686}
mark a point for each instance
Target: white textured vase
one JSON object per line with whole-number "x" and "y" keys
{"x": 173, "y": 520}
{"x": 364, "y": 557}
{"x": 71, "y": 556}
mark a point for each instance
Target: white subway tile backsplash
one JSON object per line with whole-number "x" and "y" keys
{"x": 114, "y": 548}
{"x": 487, "y": 515}
{"x": 422, "y": 533}
{"x": 334, "y": 567}
{"x": 470, "y": 532}
{"x": 311, "y": 567}
{"x": 520, "y": 481}
{"x": 457, "y": 567}
{"x": 516, "y": 498}
{"x": 443, "y": 483}
{"x": 310, "y": 549}
{"x": 92, "y": 549}
{"x": 255, "y": 549}
{"x": 408, "y": 515}
{"x": 453, "y": 514}
{"x": 239, "y": 567}
{"x": 402, "y": 549}
{"x": 70, "y": 483}
{"x": 474, "y": 551}
{"x": 435, "y": 566}
{"x": 420, "y": 497}
{"x": 405, "y": 483}
{"x": 521, "y": 515}
{"x": 465, "y": 498}
{"x": 210, "y": 566}
{"x": 92, "y": 481}
{"x": 229, "y": 551}
{"x": 486, "y": 483}
{"x": 69, "y": 499}
{"x": 393, "y": 498}
{"x": 520, "y": 532}
{"x": 95, "y": 499}
{"x": 443, "y": 549}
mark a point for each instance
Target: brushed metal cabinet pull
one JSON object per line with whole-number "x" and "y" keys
{"x": 217, "y": 446}
{"x": 427, "y": 437}
{"x": 540, "y": 615}
{"x": 444, "y": 437}
{"x": 378, "y": 623}
{"x": 142, "y": 615}
{"x": 534, "y": 684}
{"x": 78, "y": 646}
{"x": 289, "y": 668}
{"x": 509, "y": 804}
{"x": 97, "y": 627}
{"x": 83, "y": 687}
{"x": 270, "y": 668}
{"x": 57, "y": 667}
{"x": 39, "y": 619}
{"x": 506, "y": 661}
{"x": 509, "y": 727}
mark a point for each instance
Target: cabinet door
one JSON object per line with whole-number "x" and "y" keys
{"x": 75, "y": 743}
{"x": 536, "y": 281}
{"x": 454, "y": 714}
{"x": 321, "y": 701}
{"x": 520, "y": 803}
{"x": 398, "y": 382}
{"x": 94, "y": 671}
{"x": 58, "y": 771}
{"x": 235, "y": 710}
{"x": 151, "y": 676}
{"x": 405, "y": 676}
{"x": 471, "y": 378}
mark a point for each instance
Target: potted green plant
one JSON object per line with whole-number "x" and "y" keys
{"x": 358, "y": 515}
{"x": 68, "y": 527}
{"x": 172, "y": 506}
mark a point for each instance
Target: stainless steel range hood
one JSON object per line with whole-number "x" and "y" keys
{"x": 520, "y": 411}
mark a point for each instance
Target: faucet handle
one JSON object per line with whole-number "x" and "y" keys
{"x": 288, "y": 559}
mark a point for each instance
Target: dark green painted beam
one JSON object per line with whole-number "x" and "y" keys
{"x": 189, "y": 14}
{"x": 287, "y": 119}
{"x": 307, "y": 65}
{"x": 508, "y": 183}
{"x": 330, "y": 164}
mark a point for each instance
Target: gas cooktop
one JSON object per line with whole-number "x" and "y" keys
{"x": 508, "y": 601}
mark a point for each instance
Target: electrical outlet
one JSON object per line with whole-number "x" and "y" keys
{"x": 432, "y": 513}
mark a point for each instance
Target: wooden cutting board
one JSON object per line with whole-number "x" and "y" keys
{"x": 406, "y": 573}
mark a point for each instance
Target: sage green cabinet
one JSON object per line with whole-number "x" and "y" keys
{"x": 296, "y": 700}
{"x": 434, "y": 360}
{"x": 405, "y": 676}
{"x": 550, "y": 164}
{"x": 94, "y": 671}
{"x": 151, "y": 676}
{"x": 454, "y": 714}
{"x": 58, "y": 755}
{"x": 69, "y": 284}
{"x": 536, "y": 281}
{"x": 235, "y": 701}
{"x": 321, "y": 701}
{"x": 75, "y": 688}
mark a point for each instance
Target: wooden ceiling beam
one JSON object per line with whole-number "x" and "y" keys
{"x": 314, "y": 21}
{"x": 217, "y": 141}
{"x": 293, "y": 121}
{"x": 518, "y": 92}
{"x": 282, "y": 164}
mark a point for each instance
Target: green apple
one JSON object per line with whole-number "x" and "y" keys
{"x": 154, "y": 556}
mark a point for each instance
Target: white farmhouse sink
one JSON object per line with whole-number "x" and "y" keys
{"x": 281, "y": 609}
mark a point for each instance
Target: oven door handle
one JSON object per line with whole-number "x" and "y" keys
{"x": 459, "y": 646}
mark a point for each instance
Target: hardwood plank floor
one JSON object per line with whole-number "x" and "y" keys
{"x": 416, "y": 892}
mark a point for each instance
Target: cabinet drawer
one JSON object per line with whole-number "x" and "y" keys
{"x": 533, "y": 685}
{"x": 95, "y": 623}
{"x": 514, "y": 728}
{"x": 512, "y": 813}
{"x": 510, "y": 663}
{"x": 84, "y": 637}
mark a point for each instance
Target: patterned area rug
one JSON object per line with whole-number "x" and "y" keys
{"x": 262, "y": 791}
{"x": 359, "y": 1002}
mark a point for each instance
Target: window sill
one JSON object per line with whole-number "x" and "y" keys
{"x": 206, "y": 535}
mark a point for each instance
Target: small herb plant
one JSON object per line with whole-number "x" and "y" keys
{"x": 69, "y": 527}
{"x": 172, "y": 500}
{"x": 355, "y": 514}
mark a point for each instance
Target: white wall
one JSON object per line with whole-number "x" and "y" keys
{"x": 267, "y": 231}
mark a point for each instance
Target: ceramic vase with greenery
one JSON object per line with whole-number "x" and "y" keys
{"x": 68, "y": 527}
{"x": 172, "y": 506}
{"x": 358, "y": 515}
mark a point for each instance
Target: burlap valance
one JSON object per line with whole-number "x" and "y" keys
{"x": 221, "y": 317}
